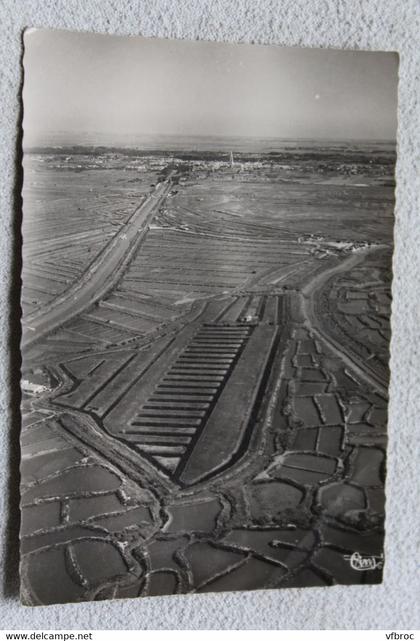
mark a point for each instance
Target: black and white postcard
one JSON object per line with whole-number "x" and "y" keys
{"x": 206, "y": 294}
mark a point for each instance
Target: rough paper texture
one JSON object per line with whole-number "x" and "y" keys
{"x": 330, "y": 25}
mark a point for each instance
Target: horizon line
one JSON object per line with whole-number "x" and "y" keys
{"x": 121, "y": 143}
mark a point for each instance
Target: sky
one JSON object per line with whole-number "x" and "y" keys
{"x": 78, "y": 85}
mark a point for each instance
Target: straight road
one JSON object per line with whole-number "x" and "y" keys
{"x": 102, "y": 274}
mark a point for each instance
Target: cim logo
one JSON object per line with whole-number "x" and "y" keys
{"x": 364, "y": 563}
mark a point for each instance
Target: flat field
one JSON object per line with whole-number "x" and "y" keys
{"x": 214, "y": 418}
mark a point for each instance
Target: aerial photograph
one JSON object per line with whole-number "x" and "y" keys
{"x": 206, "y": 295}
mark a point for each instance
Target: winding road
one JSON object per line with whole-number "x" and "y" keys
{"x": 308, "y": 294}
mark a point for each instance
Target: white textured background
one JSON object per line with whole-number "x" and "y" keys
{"x": 365, "y": 24}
